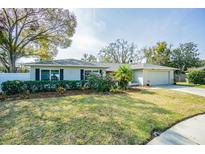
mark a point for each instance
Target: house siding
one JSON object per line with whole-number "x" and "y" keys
{"x": 70, "y": 73}
{"x": 138, "y": 76}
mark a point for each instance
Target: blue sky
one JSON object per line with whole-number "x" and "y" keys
{"x": 97, "y": 27}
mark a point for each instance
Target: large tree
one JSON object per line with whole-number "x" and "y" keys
{"x": 185, "y": 56}
{"x": 120, "y": 52}
{"x": 23, "y": 32}
{"x": 89, "y": 58}
{"x": 158, "y": 54}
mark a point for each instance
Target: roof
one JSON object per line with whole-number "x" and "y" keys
{"x": 65, "y": 62}
{"x": 198, "y": 68}
{"x": 151, "y": 66}
{"x": 115, "y": 66}
{"x": 110, "y": 66}
{"x": 107, "y": 66}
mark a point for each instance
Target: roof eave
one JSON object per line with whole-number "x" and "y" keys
{"x": 57, "y": 65}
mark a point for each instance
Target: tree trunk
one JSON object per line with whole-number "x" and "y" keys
{"x": 12, "y": 64}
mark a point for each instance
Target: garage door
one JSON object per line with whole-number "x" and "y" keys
{"x": 158, "y": 77}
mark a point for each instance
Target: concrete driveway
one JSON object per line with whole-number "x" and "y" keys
{"x": 190, "y": 131}
{"x": 191, "y": 90}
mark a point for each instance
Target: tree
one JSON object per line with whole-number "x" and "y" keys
{"x": 185, "y": 56}
{"x": 124, "y": 74}
{"x": 89, "y": 58}
{"x": 120, "y": 52}
{"x": 158, "y": 54}
{"x": 23, "y": 32}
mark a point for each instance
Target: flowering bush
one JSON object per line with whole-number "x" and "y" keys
{"x": 100, "y": 84}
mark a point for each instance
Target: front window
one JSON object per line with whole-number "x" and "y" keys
{"x": 45, "y": 74}
{"x": 87, "y": 73}
{"x": 50, "y": 75}
{"x": 55, "y": 75}
{"x": 90, "y": 72}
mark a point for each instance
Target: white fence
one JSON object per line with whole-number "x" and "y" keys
{"x": 14, "y": 76}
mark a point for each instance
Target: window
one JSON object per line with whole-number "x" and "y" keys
{"x": 45, "y": 74}
{"x": 89, "y": 72}
{"x": 55, "y": 75}
{"x": 50, "y": 75}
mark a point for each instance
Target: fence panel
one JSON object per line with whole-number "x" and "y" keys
{"x": 14, "y": 76}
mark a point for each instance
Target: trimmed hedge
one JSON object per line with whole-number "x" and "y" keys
{"x": 16, "y": 86}
{"x": 196, "y": 76}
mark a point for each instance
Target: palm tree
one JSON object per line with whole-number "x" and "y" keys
{"x": 124, "y": 74}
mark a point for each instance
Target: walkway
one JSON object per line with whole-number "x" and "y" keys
{"x": 190, "y": 131}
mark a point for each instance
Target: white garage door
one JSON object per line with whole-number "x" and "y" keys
{"x": 158, "y": 77}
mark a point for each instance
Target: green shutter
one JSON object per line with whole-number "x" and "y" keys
{"x": 37, "y": 74}
{"x": 61, "y": 74}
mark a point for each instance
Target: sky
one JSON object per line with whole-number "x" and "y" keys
{"x": 96, "y": 28}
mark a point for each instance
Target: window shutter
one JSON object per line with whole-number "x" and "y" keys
{"x": 61, "y": 74}
{"x": 101, "y": 73}
{"x": 37, "y": 74}
{"x": 81, "y": 74}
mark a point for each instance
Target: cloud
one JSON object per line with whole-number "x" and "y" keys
{"x": 87, "y": 37}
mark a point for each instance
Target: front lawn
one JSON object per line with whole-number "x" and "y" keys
{"x": 191, "y": 84}
{"x": 95, "y": 119}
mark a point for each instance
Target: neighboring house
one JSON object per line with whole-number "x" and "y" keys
{"x": 72, "y": 69}
{"x": 198, "y": 68}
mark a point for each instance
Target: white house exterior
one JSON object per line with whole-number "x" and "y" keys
{"x": 67, "y": 69}
{"x": 71, "y": 69}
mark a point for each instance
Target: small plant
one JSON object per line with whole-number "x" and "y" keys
{"x": 26, "y": 94}
{"x": 61, "y": 90}
{"x": 114, "y": 89}
{"x": 2, "y": 96}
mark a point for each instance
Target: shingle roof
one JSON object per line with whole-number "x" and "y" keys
{"x": 107, "y": 66}
{"x": 150, "y": 66}
{"x": 115, "y": 66}
{"x": 198, "y": 68}
{"x": 65, "y": 62}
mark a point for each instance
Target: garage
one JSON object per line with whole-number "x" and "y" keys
{"x": 158, "y": 77}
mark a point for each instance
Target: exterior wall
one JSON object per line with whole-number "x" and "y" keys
{"x": 70, "y": 73}
{"x": 138, "y": 76}
{"x": 14, "y": 76}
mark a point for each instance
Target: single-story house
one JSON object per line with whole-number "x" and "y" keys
{"x": 72, "y": 69}
{"x": 198, "y": 68}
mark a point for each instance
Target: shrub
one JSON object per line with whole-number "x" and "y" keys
{"x": 124, "y": 74}
{"x": 16, "y": 87}
{"x": 60, "y": 90}
{"x": 2, "y": 96}
{"x": 196, "y": 76}
{"x": 115, "y": 89}
{"x": 100, "y": 84}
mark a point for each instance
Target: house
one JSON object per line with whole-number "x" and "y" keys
{"x": 198, "y": 68}
{"x": 72, "y": 69}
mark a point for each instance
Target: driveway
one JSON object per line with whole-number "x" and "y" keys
{"x": 190, "y": 131}
{"x": 192, "y": 90}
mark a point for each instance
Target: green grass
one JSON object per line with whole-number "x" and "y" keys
{"x": 191, "y": 84}
{"x": 95, "y": 119}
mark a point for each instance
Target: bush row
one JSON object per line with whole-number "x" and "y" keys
{"x": 196, "y": 76}
{"x": 16, "y": 86}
